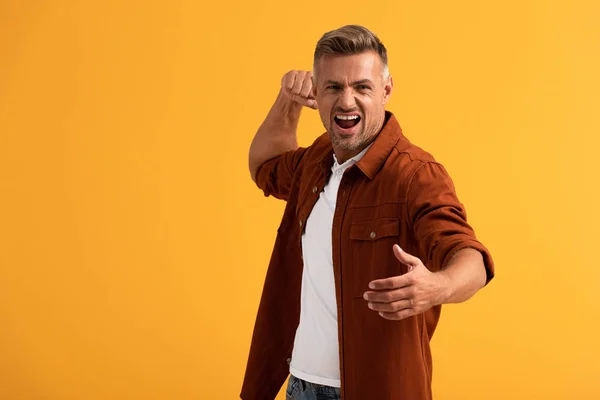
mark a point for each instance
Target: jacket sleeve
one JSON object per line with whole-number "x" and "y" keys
{"x": 274, "y": 177}
{"x": 439, "y": 220}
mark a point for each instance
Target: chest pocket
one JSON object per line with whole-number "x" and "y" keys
{"x": 374, "y": 230}
{"x": 372, "y": 256}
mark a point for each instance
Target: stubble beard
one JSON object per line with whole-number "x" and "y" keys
{"x": 361, "y": 139}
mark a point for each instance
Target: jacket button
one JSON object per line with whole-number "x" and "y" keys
{"x": 288, "y": 361}
{"x": 300, "y": 223}
{"x": 315, "y": 189}
{"x": 373, "y": 234}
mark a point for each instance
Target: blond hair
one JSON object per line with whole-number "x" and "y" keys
{"x": 351, "y": 39}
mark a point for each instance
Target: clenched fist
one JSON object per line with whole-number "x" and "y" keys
{"x": 298, "y": 86}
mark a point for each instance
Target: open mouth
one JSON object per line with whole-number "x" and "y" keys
{"x": 346, "y": 121}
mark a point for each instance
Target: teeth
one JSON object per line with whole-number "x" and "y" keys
{"x": 347, "y": 117}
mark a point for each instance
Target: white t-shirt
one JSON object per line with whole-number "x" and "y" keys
{"x": 315, "y": 357}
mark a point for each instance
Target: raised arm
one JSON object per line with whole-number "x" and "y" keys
{"x": 277, "y": 134}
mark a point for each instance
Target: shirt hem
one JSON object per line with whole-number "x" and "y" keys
{"x": 315, "y": 379}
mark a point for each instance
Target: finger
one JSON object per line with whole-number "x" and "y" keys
{"x": 306, "y": 86}
{"x": 405, "y": 258}
{"x": 312, "y": 103}
{"x": 389, "y": 296}
{"x": 298, "y": 82}
{"x": 288, "y": 81}
{"x": 395, "y": 282}
{"x": 398, "y": 315}
{"x": 391, "y": 307}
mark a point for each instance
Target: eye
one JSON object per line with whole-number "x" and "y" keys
{"x": 333, "y": 87}
{"x": 363, "y": 87}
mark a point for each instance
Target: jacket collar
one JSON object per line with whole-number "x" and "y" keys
{"x": 382, "y": 146}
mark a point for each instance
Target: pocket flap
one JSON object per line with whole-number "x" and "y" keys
{"x": 375, "y": 229}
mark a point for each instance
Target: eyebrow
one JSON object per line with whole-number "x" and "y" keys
{"x": 360, "y": 82}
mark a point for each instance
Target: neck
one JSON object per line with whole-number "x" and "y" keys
{"x": 343, "y": 155}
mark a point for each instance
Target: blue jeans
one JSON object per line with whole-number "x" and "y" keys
{"x": 299, "y": 389}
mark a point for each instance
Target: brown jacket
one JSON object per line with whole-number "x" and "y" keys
{"x": 397, "y": 193}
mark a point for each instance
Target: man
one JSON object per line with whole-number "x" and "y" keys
{"x": 372, "y": 242}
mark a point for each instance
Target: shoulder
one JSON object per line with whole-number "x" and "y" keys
{"x": 318, "y": 150}
{"x": 410, "y": 167}
{"x": 406, "y": 158}
{"x": 413, "y": 153}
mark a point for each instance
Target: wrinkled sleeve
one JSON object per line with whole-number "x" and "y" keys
{"x": 439, "y": 220}
{"x": 274, "y": 177}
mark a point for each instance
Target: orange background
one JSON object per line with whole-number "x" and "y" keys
{"x": 133, "y": 244}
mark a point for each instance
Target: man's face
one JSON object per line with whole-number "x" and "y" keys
{"x": 351, "y": 93}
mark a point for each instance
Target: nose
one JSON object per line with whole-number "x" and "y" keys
{"x": 346, "y": 100}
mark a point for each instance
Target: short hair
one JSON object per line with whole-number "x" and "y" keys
{"x": 351, "y": 39}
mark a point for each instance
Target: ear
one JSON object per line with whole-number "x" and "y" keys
{"x": 387, "y": 89}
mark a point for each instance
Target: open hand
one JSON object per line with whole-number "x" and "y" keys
{"x": 409, "y": 294}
